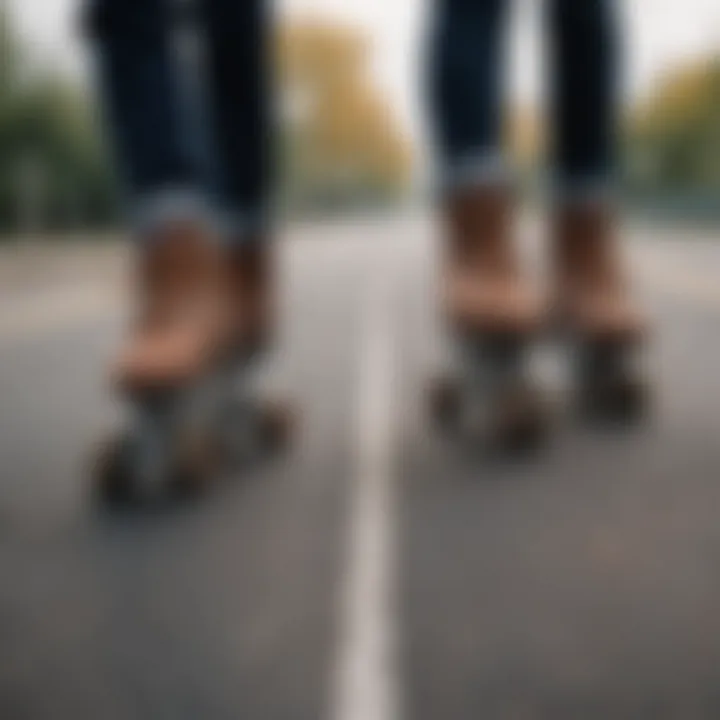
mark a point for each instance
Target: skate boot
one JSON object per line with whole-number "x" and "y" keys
{"x": 168, "y": 371}
{"x": 251, "y": 425}
{"x": 595, "y": 312}
{"x": 491, "y": 396}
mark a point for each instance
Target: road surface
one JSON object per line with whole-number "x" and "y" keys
{"x": 378, "y": 572}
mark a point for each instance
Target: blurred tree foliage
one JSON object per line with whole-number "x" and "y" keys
{"x": 673, "y": 137}
{"x": 670, "y": 144}
{"x": 342, "y": 145}
{"x": 53, "y": 170}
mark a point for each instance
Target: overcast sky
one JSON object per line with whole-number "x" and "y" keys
{"x": 661, "y": 33}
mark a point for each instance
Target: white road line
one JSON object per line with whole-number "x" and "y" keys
{"x": 367, "y": 685}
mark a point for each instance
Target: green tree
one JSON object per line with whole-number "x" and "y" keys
{"x": 53, "y": 169}
{"x": 673, "y": 138}
{"x": 343, "y": 145}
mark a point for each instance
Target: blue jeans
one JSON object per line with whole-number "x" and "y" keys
{"x": 466, "y": 85}
{"x": 208, "y": 139}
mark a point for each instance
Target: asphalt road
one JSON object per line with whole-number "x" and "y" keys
{"x": 379, "y": 571}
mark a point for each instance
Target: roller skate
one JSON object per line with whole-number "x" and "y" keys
{"x": 597, "y": 316}
{"x": 489, "y": 397}
{"x": 168, "y": 373}
{"x": 251, "y": 426}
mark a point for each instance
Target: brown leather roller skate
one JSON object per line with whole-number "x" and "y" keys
{"x": 251, "y": 423}
{"x": 167, "y": 369}
{"x": 492, "y": 311}
{"x": 595, "y": 311}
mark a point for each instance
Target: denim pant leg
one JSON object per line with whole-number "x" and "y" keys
{"x": 466, "y": 87}
{"x": 584, "y": 57}
{"x": 139, "y": 85}
{"x": 239, "y": 78}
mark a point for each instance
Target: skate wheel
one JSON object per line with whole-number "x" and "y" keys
{"x": 519, "y": 422}
{"x": 444, "y": 399}
{"x": 195, "y": 465}
{"x": 610, "y": 378}
{"x": 252, "y": 430}
{"x": 624, "y": 400}
{"x": 110, "y": 472}
{"x": 276, "y": 426}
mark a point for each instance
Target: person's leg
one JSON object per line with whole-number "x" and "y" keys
{"x": 584, "y": 45}
{"x": 177, "y": 256}
{"x": 487, "y": 301}
{"x": 592, "y": 291}
{"x": 240, "y": 82}
{"x": 239, "y": 85}
{"x": 466, "y": 95}
{"x": 141, "y": 97}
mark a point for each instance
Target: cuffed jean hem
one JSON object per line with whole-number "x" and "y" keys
{"x": 172, "y": 204}
{"x": 579, "y": 191}
{"x": 478, "y": 168}
{"x": 246, "y": 227}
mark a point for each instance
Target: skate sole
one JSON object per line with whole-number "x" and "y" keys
{"x": 610, "y": 384}
{"x": 514, "y": 424}
{"x": 180, "y": 445}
